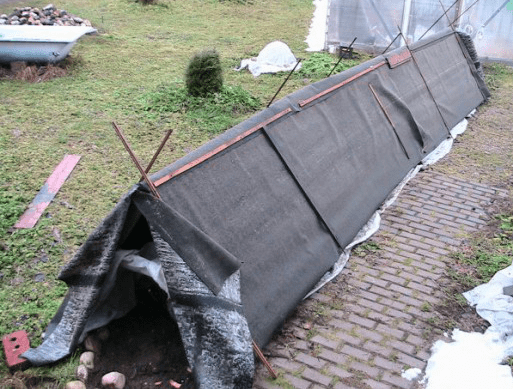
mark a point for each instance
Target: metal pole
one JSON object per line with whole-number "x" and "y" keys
{"x": 427, "y": 86}
{"x": 406, "y": 15}
{"x": 340, "y": 59}
{"x": 464, "y": 12}
{"x": 135, "y": 160}
{"x": 279, "y": 89}
{"x": 389, "y": 119}
{"x": 148, "y": 168}
{"x": 391, "y": 43}
{"x": 437, "y": 20}
{"x": 445, "y": 13}
{"x": 264, "y": 360}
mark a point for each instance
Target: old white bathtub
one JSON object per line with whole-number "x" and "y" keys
{"x": 41, "y": 44}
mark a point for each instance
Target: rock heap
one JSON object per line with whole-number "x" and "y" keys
{"x": 48, "y": 16}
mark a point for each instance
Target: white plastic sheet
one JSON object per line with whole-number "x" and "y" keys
{"x": 375, "y": 23}
{"x": 275, "y": 57}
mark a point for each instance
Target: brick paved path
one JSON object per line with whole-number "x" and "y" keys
{"x": 369, "y": 322}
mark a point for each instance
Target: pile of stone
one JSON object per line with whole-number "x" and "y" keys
{"x": 48, "y": 16}
{"x": 92, "y": 344}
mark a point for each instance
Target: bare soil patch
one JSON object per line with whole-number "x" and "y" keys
{"x": 145, "y": 346}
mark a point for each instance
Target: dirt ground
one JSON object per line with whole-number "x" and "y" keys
{"x": 145, "y": 346}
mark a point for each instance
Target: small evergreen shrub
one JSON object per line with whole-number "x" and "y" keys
{"x": 204, "y": 75}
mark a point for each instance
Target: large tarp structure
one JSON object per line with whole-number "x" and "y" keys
{"x": 375, "y": 23}
{"x": 249, "y": 222}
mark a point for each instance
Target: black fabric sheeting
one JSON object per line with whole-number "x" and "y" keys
{"x": 211, "y": 262}
{"x": 265, "y": 202}
{"x": 451, "y": 81}
{"x": 246, "y": 200}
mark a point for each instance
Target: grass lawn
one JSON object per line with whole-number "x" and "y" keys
{"x": 140, "y": 51}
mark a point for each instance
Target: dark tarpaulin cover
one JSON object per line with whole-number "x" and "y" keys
{"x": 243, "y": 234}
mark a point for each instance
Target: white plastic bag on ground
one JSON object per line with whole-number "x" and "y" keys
{"x": 275, "y": 57}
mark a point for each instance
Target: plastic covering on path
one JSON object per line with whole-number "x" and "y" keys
{"x": 250, "y": 222}
{"x": 474, "y": 360}
{"x": 274, "y": 57}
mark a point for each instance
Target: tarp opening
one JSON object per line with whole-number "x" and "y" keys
{"x": 251, "y": 221}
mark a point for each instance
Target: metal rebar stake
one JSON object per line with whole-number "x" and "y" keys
{"x": 135, "y": 160}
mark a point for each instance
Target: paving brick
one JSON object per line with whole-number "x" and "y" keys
{"x": 396, "y": 380}
{"x": 362, "y": 321}
{"x": 314, "y": 362}
{"x": 377, "y": 349}
{"x": 355, "y": 352}
{"x": 402, "y": 346}
{"x": 371, "y": 305}
{"x": 15, "y": 344}
{"x": 315, "y": 376}
{"x": 333, "y": 344}
{"x": 409, "y": 360}
{"x": 387, "y": 364}
{"x": 369, "y": 334}
{"x": 344, "y": 337}
{"x": 387, "y": 330}
{"x": 286, "y": 364}
{"x": 370, "y": 371}
{"x": 262, "y": 383}
{"x": 415, "y": 340}
{"x": 375, "y": 281}
{"x": 412, "y": 329}
{"x": 392, "y": 303}
{"x": 376, "y": 385}
{"x": 337, "y": 371}
{"x": 400, "y": 289}
{"x": 421, "y": 288}
{"x": 393, "y": 278}
{"x": 334, "y": 357}
{"x": 342, "y": 385}
{"x": 297, "y": 383}
{"x": 382, "y": 291}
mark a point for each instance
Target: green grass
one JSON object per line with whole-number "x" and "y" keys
{"x": 485, "y": 254}
{"x": 132, "y": 72}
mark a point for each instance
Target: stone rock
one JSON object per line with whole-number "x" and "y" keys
{"x": 39, "y": 277}
{"x": 81, "y": 373}
{"x": 114, "y": 380}
{"x": 49, "y": 16}
{"x": 103, "y": 334}
{"x": 75, "y": 385}
{"x": 87, "y": 359}
{"x": 92, "y": 343}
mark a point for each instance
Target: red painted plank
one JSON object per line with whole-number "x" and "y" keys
{"x": 48, "y": 192}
